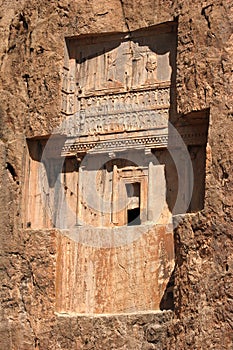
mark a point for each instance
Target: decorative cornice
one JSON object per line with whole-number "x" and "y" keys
{"x": 74, "y": 146}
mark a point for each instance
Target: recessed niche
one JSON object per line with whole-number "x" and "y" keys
{"x": 116, "y": 172}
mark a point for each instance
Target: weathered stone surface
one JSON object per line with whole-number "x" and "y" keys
{"x": 109, "y": 280}
{"x": 109, "y": 332}
{"x": 31, "y": 60}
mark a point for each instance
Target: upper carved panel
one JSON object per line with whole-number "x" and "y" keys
{"x": 118, "y": 81}
{"x": 128, "y": 66}
{"x": 114, "y": 63}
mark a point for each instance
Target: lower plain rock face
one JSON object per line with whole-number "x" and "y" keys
{"x": 116, "y": 175}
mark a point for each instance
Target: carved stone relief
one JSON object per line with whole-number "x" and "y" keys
{"x": 118, "y": 83}
{"x": 125, "y": 62}
{"x": 128, "y": 66}
{"x": 121, "y": 112}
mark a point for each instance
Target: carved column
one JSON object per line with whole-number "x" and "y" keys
{"x": 114, "y": 195}
{"x": 149, "y": 194}
{"x": 79, "y": 198}
{"x": 156, "y": 192}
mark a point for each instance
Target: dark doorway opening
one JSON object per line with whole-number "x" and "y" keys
{"x": 133, "y": 210}
{"x": 133, "y": 217}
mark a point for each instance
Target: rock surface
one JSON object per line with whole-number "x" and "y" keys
{"x": 31, "y": 59}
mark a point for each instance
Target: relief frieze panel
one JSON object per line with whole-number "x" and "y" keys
{"x": 135, "y": 101}
{"x": 122, "y": 112}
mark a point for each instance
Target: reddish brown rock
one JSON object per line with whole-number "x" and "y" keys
{"x": 31, "y": 60}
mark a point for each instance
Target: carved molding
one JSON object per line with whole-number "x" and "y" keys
{"x": 73, "y": 146}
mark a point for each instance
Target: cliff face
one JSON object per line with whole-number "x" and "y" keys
{"x": 31, "y": 60}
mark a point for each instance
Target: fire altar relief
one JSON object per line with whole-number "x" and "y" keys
{"x": 110, "y": 183}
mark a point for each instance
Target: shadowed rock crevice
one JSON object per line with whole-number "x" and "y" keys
{"x": 12, "y": 172}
